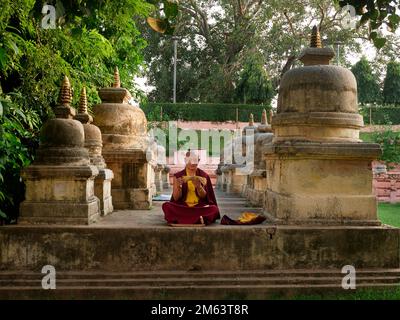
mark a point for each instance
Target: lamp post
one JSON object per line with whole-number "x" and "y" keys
{"x": 337, "y": 44}
{"x": 175, "y": 41}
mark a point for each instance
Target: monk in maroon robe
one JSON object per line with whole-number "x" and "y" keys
{"x": 193, "y": 200}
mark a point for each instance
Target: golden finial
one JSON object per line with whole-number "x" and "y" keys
{"x": 117, "y": 81}
{"x": 271, "y": 114}
{"x": 264, "y": 117}
{"x": 65, "y": 92}
{"x": 315, "y": 38}
{"x": 83, "y": 101}
{"x": 251, "y": 120}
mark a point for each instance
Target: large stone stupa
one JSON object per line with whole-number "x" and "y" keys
{"x": 318, "y": 170}
{"x": 125, "y": 141}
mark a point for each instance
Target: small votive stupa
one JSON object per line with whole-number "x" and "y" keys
{"x": 125, "y": 140}
{"x": 234, "y": 171}
{"x": 256, "y": 180}
{"x": 60, "y": 182}
{"x": 318, "y": 170}
{"x": 94, "y": 144}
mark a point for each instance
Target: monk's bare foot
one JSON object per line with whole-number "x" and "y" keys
{"x": 201, "y": 220}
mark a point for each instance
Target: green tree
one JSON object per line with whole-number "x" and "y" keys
{"x": 254, "y": 85}
{"x": 391, "y": 86}
{"x": 90, "y": 38}
{"x": 375, "y": 13}
{"x": 217, "y": 36}
{"x": 367, "y": 82}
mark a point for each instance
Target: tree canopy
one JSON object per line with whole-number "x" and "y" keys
{"x": 220, "y": 35}
{"x": 391, "y": 87}
{"x": 368, "y": 88}
{"x": 254, "y": 85}
{"x": 89, "y": 38}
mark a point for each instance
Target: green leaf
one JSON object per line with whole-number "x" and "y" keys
{"x": 374, "y": 14}
{"x": 373, "y": 35}
{"x": 13, "y": 46}
{"x": 379, "y": 42}
{"x": 170, "y": 9}
{"x": 394, "y": 20}
{"x": 3, "y": 215}
{"x": 3, "y": 59}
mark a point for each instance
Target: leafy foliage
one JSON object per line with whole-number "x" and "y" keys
{"x": 367, "y": 83}
{"x": 217, "y": 38}
{"x": 376, "y": 13}
{"x": 18, "y": 139}
{"x": 391, "y": 88}
{"x": 390, "y": 143}
{"x": 90, "y": 38}
{"x": 254, "y": 85}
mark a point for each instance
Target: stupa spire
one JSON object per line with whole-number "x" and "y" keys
{"x": 83, "y": 101}
{"x": 264, "y": 117}
{"x": 117, "y": 81}
{"x": 315, "y": 38}
{"x": 65, "y": 92}
{"x": 251, "y": 120}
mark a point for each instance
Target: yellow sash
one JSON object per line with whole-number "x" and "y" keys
{"x": 191, "y": 198}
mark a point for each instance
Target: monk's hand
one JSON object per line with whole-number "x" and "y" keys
{"x": 179, "y": 182}
{"x": 199, "y": 187}
{"x": 197, "y": 183}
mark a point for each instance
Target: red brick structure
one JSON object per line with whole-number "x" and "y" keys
{"x": 386, "y": 183}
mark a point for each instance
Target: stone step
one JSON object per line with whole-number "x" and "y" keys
{"x": 6, "y": 275}
{"x": 176, "y": 282}
{"x": 198, "y": 278}
{"x": 124, "y": 289}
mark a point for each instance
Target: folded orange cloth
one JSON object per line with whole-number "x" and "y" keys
{"x": 246, "y": 218}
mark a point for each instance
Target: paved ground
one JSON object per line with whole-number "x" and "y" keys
{"x": 231, "y": 205}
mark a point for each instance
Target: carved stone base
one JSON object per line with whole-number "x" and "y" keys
{"x": 102, "y": 190}
{"x": 59, "y": 195}
{"x": 132, "y": 187}
{"x": 256, "y": 189}
{"x": 312, "y": 183}
{"x": 135, "y": 199}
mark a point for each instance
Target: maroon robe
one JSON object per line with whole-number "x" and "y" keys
{"x": 180, "y": 213}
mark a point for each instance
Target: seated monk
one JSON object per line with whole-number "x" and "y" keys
{"x": 193, "y": 199}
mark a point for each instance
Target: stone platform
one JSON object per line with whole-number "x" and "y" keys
{"x": 134, "y": 254}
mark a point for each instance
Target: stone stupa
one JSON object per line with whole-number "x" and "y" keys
{"x": 94, "y": 144}
{"x": 60, "y": 182}
{"x": 125, "y": 141}
{"x": 256, "y": 181}
{"x": 318, "y": 170}
{"x": 234, "y": 175}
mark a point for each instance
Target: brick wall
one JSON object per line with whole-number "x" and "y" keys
{"x": 386, "y": 184}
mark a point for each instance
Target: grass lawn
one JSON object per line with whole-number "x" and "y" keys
{"x": 389, "y": 214}
{"x": 360, "y": 294}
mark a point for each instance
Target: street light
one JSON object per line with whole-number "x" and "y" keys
{"x": 337, "y": 44}
{"x": 175, "y": 41}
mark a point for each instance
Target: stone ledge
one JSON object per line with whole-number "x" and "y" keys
{"x": 68, "y": 172}
{"x": 130, "y": 155}
{"x": 333, "y": 119}
{"x": 324, "y": 150}
{"x": 115, "y": 249}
